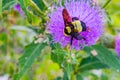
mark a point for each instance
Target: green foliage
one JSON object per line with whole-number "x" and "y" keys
{"x": 65, "y": 76}
{"x": 79, "y": 77}
{"x": 35, "y": 11}
{"x": 104, "y": 77}
{"x": 58, "y": 78}
{"x": 7, "y": 4}
{"x": 68, "y": 69}
{"x": 31, "y": 52}
{"x": 0, "y": 8}
{"x": 41, "y": 4}
{"x": 107, "y": 2}
{"x": 34, "y": 20}
{"x": 105, "y": 56}
{"x": 3, "y": 42}
{"x": 58, "y": 54}
{"x": 90, "y": 63}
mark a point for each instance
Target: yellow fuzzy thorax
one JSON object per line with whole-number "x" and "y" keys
{"x": 77, "y": 27}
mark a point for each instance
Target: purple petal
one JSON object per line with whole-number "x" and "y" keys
{"x": 18, "y": 9}
{"x": 91, "y": 15}
{"x": 117, "y": 45}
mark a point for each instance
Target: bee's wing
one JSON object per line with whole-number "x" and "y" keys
{"x": 66, "y": 17}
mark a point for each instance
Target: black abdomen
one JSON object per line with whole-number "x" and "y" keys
{"x": 83, "y": 26}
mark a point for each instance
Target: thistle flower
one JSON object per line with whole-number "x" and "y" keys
{"x": 18, "y": 9}
{"x": 117, "y": 45}
{"x": 90, "y": 14}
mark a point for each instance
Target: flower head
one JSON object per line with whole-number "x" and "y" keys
{"x": 18, "y": 9}
{"x": 117, "y": 45}
{"x": 90, "y": 15}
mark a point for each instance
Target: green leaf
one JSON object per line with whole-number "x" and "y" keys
{"x": 58, "y": 54}
{"x": 79, "y": 77}
{"x": 90, "y": 63}
{"x": 24, "y": 6}
{"x": 106, "y": 3}
{"x": 105, "y": 56}
{"x": 31, "y": 52}
{"x": 65, "y": 76}
{"x": 58, "y": 78}
{"x": 7, "y": 4}
{"x": 69, "y": 70}
{"x": 34, "y": 20}
{"x": 33, "y": 13}
{"x": 0, "y": 8}
{"x": 41, "y": 4}
{"x": 3, "y": 41}
{"x": 104, "y": 77}
{"x": 36, "y": 9}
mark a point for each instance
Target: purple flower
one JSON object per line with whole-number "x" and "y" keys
{"x": 117, "y": 45}
{"x": 90, "y": 14}
{"x": 18, "y": 9}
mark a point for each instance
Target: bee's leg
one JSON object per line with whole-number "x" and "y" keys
{"x": 71, "y": 40}
{"x": 78, "y": 36}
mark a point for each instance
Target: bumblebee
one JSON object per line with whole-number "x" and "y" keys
{"x": 73, "y": 26}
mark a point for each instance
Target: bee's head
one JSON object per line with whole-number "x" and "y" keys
{"x": 75, "y": 18}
